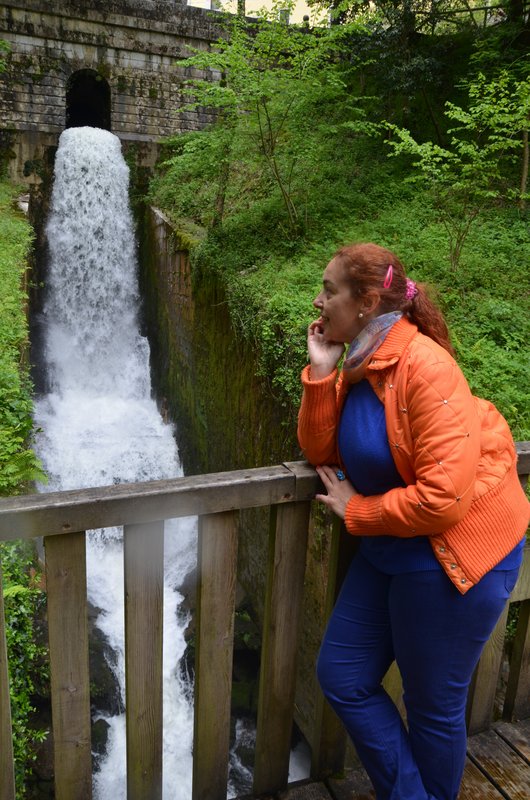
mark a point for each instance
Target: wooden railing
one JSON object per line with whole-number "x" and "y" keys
{"x": 63, "y": 517}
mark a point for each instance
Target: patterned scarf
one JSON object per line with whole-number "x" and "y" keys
{"x": 367, "y": 343}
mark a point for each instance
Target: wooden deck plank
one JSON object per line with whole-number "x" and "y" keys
{"x": 517, "y": 735}
{"x": 305, "y": 791}
{"x": 301, "y": 790}
{"x": 476, "y": 786}
{"x": 501, "y": 764}
{"x": 356, "y": 785}
{"x": 497, "y": 768}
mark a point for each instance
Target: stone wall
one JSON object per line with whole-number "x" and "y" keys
{"x": 203, "y": 368}
{"x": 226, "y": 418}
{"x": 132, "y": 46}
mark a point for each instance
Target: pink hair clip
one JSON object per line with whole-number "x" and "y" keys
{"x": 411, "y": 290}
{"x": 388, "y": 277}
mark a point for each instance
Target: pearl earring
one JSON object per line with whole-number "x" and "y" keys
{"x": 361, "y": 315}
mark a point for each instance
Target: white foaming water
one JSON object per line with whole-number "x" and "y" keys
{"x": 99, "y": 424}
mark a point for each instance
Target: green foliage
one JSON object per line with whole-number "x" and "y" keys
{"x": 323, "y": 113}
{"x": 4, "y": 50}
{"x": 274, "y": 318}
{"x": 270, "y": 288}
{"x": 28, "y": 671}
{"x": 18, "y": 464}
{"x": 283, "y": 106}
{"x": 472, "y": 172}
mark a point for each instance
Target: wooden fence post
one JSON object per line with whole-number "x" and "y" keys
{"x": 517, "y": 700}
{"x": 216, "y": 590}
{"x": 285, "y": 584}
{"x": 68, "y": 640}
{"x": 144, "y": 603}
{"x": 481, "y": 698}
{"x": 330, "y": 738}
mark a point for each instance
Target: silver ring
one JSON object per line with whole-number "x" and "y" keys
{"x": 340, "y": 475}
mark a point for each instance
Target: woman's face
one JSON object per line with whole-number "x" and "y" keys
{"x": 339, "y": 310}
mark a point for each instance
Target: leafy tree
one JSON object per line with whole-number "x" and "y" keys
{"x": 23, "y": 598}
{"x": 23, "y": 603}
{"x": 484, "y": 144}
{"x": 18, "y": 464}
{"x": 424, "y": 16}
{"x": 272, "y": 87}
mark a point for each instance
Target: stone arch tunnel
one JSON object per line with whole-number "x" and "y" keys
{"x": 88, "y": 100}
{"x": 106, "y": 63}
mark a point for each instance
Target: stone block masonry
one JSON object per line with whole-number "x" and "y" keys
{"x": 132, "y": 46}
{"x": 226, "y": 418}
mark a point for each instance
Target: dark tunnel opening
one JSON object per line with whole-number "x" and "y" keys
{"x": 87, "y": 100}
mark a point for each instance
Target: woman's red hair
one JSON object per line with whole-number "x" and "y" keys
{"x": 366, "y": 266}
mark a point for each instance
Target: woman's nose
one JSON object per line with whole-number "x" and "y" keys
{"x": 317, "y": 302}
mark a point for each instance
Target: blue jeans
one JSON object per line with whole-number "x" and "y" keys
{"x": 436, "y": 635}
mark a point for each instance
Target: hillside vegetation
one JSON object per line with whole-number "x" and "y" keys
{"x": 18, "y": 464}
{"x": 22, "y": 595}
{"x": 410, "y": 132}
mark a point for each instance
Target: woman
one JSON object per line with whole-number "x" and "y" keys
{"x": 425, "y": 474}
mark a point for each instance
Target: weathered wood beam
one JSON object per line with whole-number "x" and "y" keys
{"x": 216, "y": 590}
{"x": 53, "y": 513}
{"x": 522, "y": 587}
{"x": 481, "y": 696}
{"x": 329, "y": 739}
{"x": 517, "y": 700}
{"x": 69, "y": 677}
{"x": 523, "y": 461}
{"x": 144, "y": 604}
{"x": 282, "y": 617}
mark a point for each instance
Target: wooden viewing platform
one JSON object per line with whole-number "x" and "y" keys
{"x": 498, "y": 757}
{"x": 497, "y": 768}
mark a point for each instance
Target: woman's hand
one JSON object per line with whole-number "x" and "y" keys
{"x": 323, "y": 354}
{"x": 339, "y": 492}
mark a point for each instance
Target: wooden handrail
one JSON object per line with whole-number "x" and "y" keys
{"x": 53, "y": 513}
{"x": 63, "y": 517}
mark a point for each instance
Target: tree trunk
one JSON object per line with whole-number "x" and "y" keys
{"x": 516, "y": 11}
{"x": 524, "y": 173}
{"x": 220, "y": 197}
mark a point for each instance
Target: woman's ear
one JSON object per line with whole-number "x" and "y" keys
{"x": 371, "y": 302}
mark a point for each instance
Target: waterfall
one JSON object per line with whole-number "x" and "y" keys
{"x": 98, "y": 424}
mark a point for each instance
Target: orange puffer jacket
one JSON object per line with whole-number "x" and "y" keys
{"x": 454, "y": 451}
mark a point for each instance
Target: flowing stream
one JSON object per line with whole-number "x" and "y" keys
{"x": 98, "y": 425}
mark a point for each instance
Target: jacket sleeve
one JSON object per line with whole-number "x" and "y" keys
{"x": 445, "y": 431}
{"x": 318, "y": 418}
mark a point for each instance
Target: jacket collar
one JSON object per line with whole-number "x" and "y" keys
{"x": 394, "y": 344}
{"x": 388, "y": 353}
